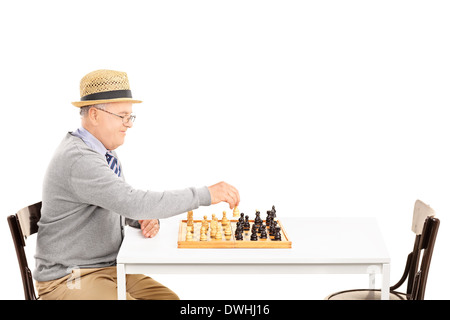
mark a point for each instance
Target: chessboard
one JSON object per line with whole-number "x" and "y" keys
{"x": 232, "y": 233}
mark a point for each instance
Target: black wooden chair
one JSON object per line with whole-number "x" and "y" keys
{"x": 22, "y": 225}
{"x": 425, "y": 226}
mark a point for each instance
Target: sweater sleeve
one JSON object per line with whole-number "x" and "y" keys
{"x": 93, "y": 182}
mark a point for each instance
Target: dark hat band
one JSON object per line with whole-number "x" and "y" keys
{"x": 106, "y": 95}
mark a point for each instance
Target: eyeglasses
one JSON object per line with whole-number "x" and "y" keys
{"x": 125, "y": 119}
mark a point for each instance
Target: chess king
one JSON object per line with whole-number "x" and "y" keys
{"x": 86, "y": 200}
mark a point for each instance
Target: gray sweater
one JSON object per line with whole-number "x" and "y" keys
{"x": 82, "y": 204}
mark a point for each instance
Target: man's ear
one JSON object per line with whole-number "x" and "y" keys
{"x": 93, "y": 115}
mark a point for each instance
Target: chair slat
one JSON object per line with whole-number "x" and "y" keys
{"x": 28, "y": 219}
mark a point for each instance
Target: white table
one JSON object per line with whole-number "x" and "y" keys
{"x": 319, "y": 246}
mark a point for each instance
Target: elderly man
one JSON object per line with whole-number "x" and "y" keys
{"x": 86, "y": 201}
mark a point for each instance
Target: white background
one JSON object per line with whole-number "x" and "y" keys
{"x": 322, "y": 108}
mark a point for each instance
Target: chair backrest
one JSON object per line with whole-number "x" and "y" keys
{"x": 22, "y": 225}
{"x": 419, "y": 275}
{"x": 423, "y": 219}
{"x": 421, "y": 212}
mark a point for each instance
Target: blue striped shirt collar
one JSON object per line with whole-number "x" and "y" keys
{"x": 91, "y": 141}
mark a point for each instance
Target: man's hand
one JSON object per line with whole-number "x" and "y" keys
{"x": 222, "y": 191}
{"x": 149, "y": 227}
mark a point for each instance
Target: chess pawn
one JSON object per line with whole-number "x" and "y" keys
{"x": 189, "y": 236}
{"x": 203, "y": 236}
{"x": 273, "y": 225}
{"x": 277, "y": 236}
{"x": 225, "y": 220}
{"x": 255, "y": 228}
{"x": 239, "y": 228}
{"x": 241, "y": 218}
{"x": 254, "y": 236}
{"x": 263, "y": 235}
{"x": 235, "y": 212}
{"x": 261, "y": 227}
{"x": 258, "y": 220}
{"x": 246, "y": 224}
{"x": 238, "y": 225}
{"x": 219, "y": 234}
{"x": 205, "y": 223}
{"x": 228, "y": 232}
{"x": 238, "y": 233}
{"x": 213, "y": 232}
{"x": 271, "y": 232}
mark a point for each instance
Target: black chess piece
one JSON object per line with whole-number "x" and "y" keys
{"x": 239, "y": 228}
{"x": 268, "y": 218}
{"x": 262, "y": 227}
{"x": 241, "y": 218}
{"x": 272, "y": 228}
{"x": 277, "y": 236}
{"x": 274, "y": 212}
{"x": 258, "y": 220}
{"x": 254, "y": 236}
{"x": 238, "y": 235}
{"x": 246, "y": 224}
{"x": 263, "y": 233}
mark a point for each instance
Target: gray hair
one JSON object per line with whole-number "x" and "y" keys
{"x": 84, "y": 111}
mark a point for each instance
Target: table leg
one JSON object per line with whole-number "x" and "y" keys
{"x": 372, "y": 270}
{"x": 121, "y": 282}
{"x": 372, "y": 281}
{"x": 385, "y": 282}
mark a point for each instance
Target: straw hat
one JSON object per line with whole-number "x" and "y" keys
{"x": 104, "y": 86}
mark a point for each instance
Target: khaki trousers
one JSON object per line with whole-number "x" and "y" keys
{"x": 101, "y": 284}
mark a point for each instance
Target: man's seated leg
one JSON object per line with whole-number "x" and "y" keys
{"x": 142, "y": 287}
{"x": 82, "y": 284}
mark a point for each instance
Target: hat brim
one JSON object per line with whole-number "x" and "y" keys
{"x": 80, "y": 104}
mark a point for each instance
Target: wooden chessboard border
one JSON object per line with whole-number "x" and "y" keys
{"x": 232, "y": 243}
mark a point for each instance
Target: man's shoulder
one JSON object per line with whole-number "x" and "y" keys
{"x": 73, "y": 149}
